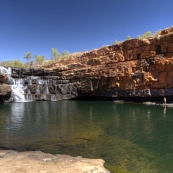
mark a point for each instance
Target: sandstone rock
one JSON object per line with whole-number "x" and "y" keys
{"x": 39, "y": 162}
{"x": 5, "y": 92}
{"x": 132, "y": 67}
{"x": 3, "y": 78}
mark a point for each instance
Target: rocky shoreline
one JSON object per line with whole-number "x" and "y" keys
{"x": 39, "y": 162}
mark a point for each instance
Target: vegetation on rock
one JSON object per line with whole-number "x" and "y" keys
{"x": 40, "y": 60}
{"x": 28, "y": 56}
{"x": 13, "y": 63}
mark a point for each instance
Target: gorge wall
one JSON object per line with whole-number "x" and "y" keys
{"x": 139, "y": 69}
{"x": 5, "y": 89}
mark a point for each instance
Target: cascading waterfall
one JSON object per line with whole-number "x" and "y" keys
{"x": 27, "y": 88}
{"x": 37, "y": 89}
{"x": 53, "y": 97}
{"x": 20, "y": 91}
{"x": 16, "y": 85}
{"x": 47, "y": 89}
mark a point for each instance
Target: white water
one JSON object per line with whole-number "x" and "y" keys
{"x": 53, "y": 98}
{"x": 18, "y": 93}
{"x": 47, "y": 90}
{"x": 21, "y": 92}
{"x": 4, "y": 70}
{"x": 16, "y": 85}
{"x": 37, "y": 89}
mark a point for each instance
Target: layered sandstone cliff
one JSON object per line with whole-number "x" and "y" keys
{"x": 133, "y": 68}
{"x": 136, "y": 68}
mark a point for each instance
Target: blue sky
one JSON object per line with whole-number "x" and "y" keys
{"x": 75, "y": 25}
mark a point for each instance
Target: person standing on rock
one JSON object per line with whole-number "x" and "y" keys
{"x": 164, "y": 99}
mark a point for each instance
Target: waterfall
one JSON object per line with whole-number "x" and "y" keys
{"x": 54, "y": 82}
{"x": 37, "y": 89}
{"x": 53, "y": 97}
{"x": 18, "y": 93}
{"x": 30, "y": 82}
{"x": 17, "y": 86}
{"x": 6, "y": 71}
{"x": 28, "y": 91}
{"x": 47, "y": 89}
{"x": 20, "y": 90}
{"x": 39, "y": 81}
{"x": 28, "y": 97}
{"x": 30, "y": 88}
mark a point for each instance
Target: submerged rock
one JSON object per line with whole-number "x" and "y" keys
{"x": 39, "y": 162}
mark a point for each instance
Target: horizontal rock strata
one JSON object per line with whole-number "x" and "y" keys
{"x": 39, "y": 162}
{"x": 136, "y": 68}
{"x": 133, "y": 68}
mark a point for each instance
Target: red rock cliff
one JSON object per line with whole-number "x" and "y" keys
{"x": 133, "y": 68}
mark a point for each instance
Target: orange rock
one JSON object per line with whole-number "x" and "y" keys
{"x": 140, "y": 64}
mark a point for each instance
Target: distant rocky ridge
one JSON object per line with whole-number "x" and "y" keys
{"x": 139, "y": 69}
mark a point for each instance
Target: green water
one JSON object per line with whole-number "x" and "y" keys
{"x": 130, "y": 137}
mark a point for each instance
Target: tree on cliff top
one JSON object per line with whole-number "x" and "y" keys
{"x": 39, "y": 58}
{"x": 54, "y": 54}
{"x": 28, "y": 56}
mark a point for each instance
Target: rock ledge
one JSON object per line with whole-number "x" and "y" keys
{"x": 37, "y": 161}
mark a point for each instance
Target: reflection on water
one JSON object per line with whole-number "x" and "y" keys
{"x": 164, "y": 112}
{"x": 129, "y": 137}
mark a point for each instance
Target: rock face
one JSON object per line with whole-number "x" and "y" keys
{"x": 39, "y": 162}
{"x": 3, "y": 78}
{"x": 5, "y": 90}
{"x": 133, "y": 69}
{"x": 37, "y": 84}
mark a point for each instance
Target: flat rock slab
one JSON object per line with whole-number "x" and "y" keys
{"x": 39, "y": 162}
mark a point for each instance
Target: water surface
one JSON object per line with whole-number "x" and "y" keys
{"x": 131, "y": 138}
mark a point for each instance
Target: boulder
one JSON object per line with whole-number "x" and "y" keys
{"x": 37, "y": 162}
{"x": 3, "y": 78}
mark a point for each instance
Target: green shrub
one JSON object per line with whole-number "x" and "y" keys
{"x": 128, "y": 38}
{"x": 145, "y": 35}
{"x": 14, "y": 63}
{"x": 116, "y": 42}
{"x": 39, "y": 58}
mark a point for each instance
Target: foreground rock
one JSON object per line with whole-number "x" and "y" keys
{"x": 39, "y": 162}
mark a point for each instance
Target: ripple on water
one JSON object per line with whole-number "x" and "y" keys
{"x": 131, "y": 138}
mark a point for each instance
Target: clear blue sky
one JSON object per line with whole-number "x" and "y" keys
{"x": 75, "y": 25}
